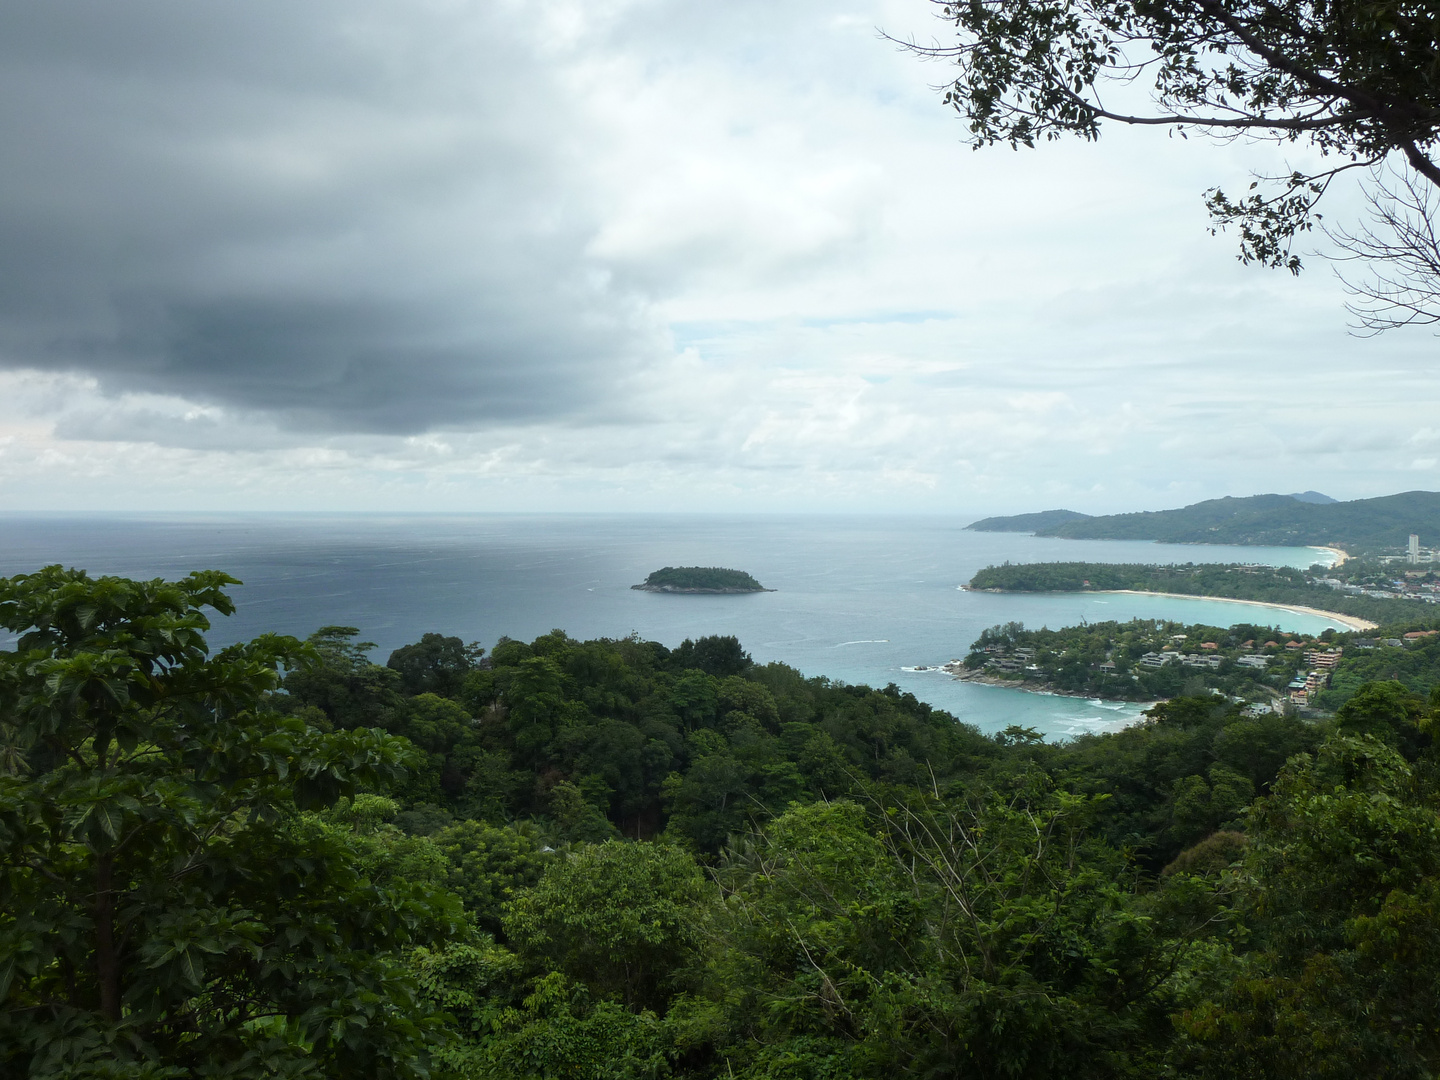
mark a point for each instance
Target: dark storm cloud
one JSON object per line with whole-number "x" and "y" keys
{"x": 351, "y": 216}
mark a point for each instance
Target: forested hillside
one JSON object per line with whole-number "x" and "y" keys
{"x": 1362, "y": 525}
{"x": 1245, "y": 662}
{"x": 1264, "y": 584}
{"x": 1036, "y": 523}
{"x": 613, "y": 859}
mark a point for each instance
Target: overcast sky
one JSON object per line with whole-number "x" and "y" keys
{"x": 633, "y": 255}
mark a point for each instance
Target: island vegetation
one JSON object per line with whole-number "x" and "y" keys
{"x": 700, "y": 579}
{"x": 1027, "y": 523}
{"x": 1374, "y": 526}
{"x": 612, "y": 859}
{"x": 1149, "y": 659}
{"x": 1352, "y": 590}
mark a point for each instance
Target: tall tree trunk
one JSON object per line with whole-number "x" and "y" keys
{"x": 107, "y": 963}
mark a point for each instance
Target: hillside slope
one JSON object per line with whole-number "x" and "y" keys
{"x": 1278, "y": 520}
{"x": 1045, "y": 519}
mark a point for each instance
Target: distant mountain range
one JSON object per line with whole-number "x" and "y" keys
{"x": 1307, "y": 518}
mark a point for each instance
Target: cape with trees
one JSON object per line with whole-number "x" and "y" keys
{"x": 613, "y": 859}
{"x": 1357, "y": 526}
{"x": 1243, "y": 661}
{"x": 1229, "y": 581}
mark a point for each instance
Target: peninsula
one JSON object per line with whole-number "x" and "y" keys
{"x": 1361, "y": 526}
{"x": 700, "y": 579}
{"x": 1148, "y": 660}
{"x": 1358, "y": 595}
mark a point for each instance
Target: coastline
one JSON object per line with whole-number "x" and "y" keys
{"x": 1340, "y": 556}
{"x": 1009, "y": 684}
{"x": 692, "y": 590}
{"x": 978, "y": 676}
{"x": 1350, "y": 622}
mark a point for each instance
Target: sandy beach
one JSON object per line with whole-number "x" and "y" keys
{"x": 1350, "y": 622}
{"x": 1340, "y": 556}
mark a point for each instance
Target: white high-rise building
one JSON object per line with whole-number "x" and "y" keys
{"x": 1412, "y": 554}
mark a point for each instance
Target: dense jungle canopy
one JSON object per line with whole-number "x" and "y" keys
{"x": 613, "y": 859}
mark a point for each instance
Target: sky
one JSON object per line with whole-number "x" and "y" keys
{"x": 631, "y": 255}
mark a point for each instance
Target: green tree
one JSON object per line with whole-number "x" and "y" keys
{"x": 560, "y": 1032}
{"x": 1386, "y": 711}
{"x": 576, "y": 819}
{"x": 938, "y": 937}
{"x": 539, "y": 709}
{"x": 1353, "y": 80}
{"x": 1339, "y": 972}
{"x": 620, "y": 917}
{"x": 166, "y": 909}
{"x": 476, "y": 984}
{"x": 718, "y": 655}
{"x": 446, "y": 734}
{"x": 488, "y": 866}
{"x": 435, "y": 664}
{"x": 341, "y": 681}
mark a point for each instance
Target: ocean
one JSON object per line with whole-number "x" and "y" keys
{"x": 863, "y": 599}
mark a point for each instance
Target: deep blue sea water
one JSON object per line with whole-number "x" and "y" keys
{"x": 859, "y": 599}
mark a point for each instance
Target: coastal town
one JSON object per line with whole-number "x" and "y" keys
{"x": 1265, "y": 669}
{"x": 1377, "y": 577}
{"x": 1381, "y": 605}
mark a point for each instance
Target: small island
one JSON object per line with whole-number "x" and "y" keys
{"x": 700, "y": 579}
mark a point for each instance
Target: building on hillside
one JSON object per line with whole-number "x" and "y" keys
{"x": 1412, "y": 553}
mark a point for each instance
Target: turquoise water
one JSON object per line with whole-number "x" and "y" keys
{"x": 857, "y": 598}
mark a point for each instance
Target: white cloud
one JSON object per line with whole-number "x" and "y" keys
{"x": 637, "y": 254}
